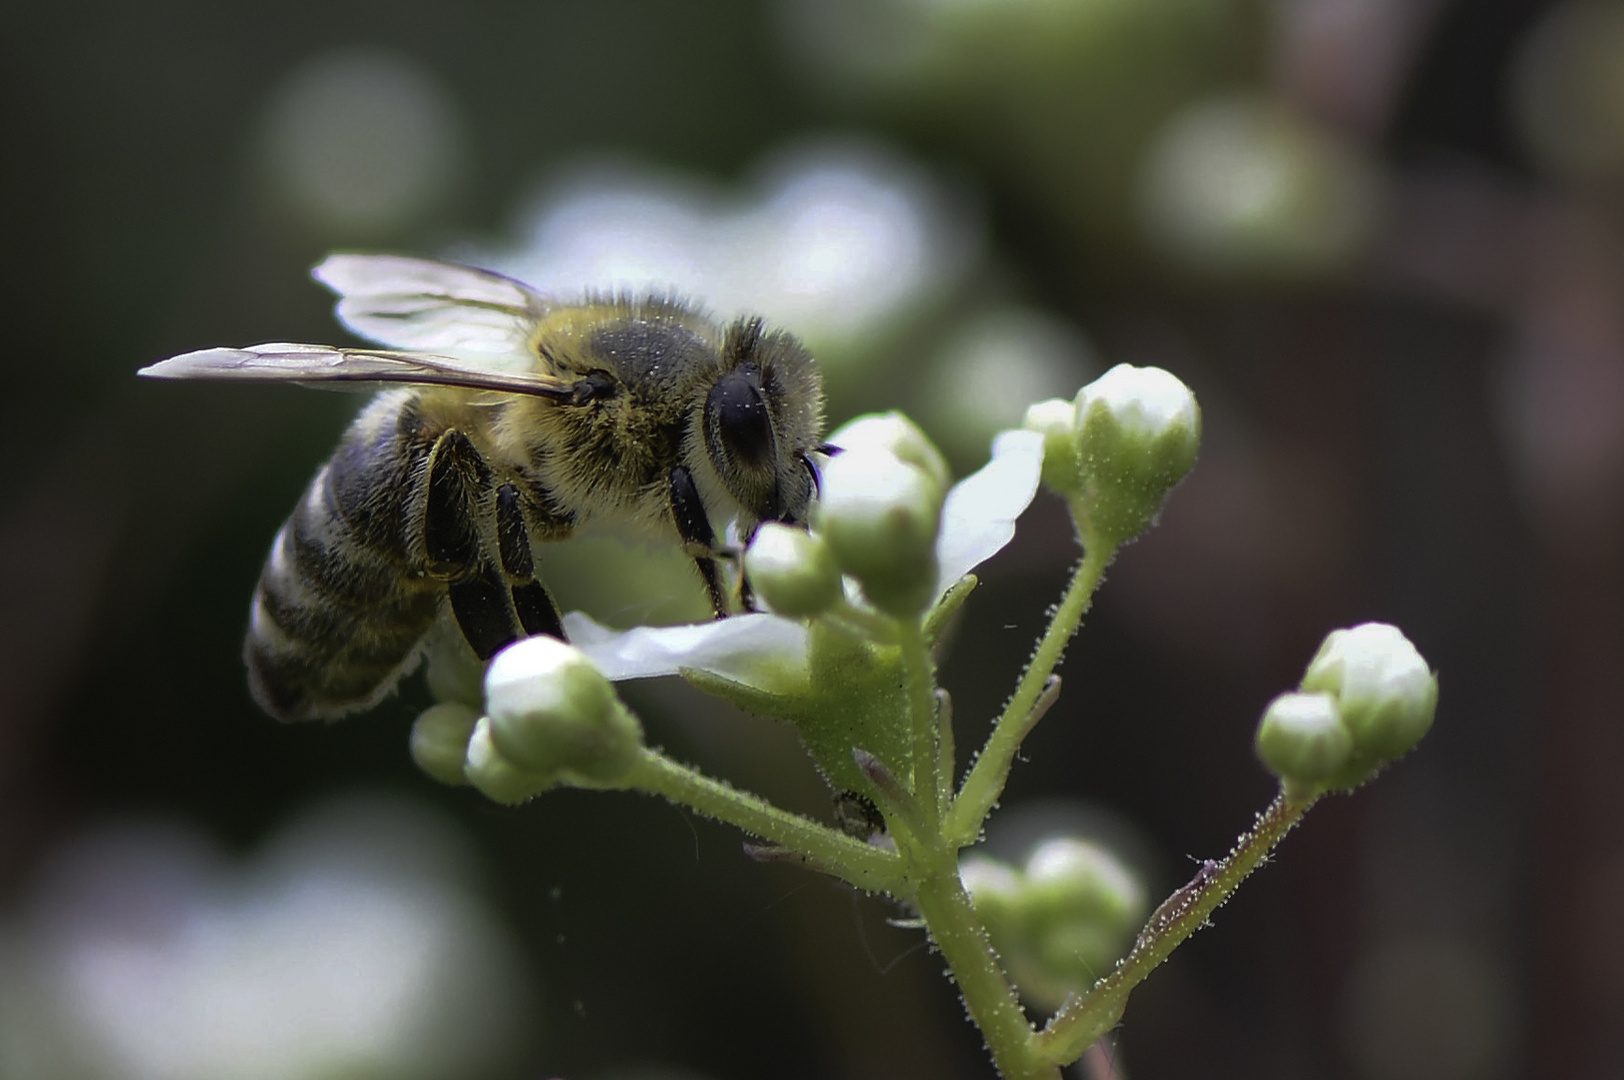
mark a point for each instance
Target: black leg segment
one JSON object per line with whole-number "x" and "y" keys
{"x": 481, "y": 606}
{"x": 695, "y": 530}
{"x": 512, "y": 538}
{"x": 537, "y": 612}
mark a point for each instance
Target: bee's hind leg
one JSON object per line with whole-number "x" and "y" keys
{"x": 697, "y": 536}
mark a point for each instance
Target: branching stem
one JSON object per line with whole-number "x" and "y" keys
{"x": 863, "y": 865}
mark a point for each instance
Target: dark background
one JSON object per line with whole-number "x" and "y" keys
{"x": 1427, "y": 429}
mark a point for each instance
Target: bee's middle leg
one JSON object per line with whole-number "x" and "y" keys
{"x": 459, "y": 485}
{"x": 531, "y": 601}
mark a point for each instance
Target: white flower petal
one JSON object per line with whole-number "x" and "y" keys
{"x": 979, "y": 516}
{"x": 745, "y": 648}
{"x": 769, "y": 652}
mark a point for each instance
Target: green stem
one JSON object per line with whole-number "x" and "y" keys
{"x": 869, "y": 868}
{"x": 988, "y": 996}
{"x": 921, "y": 676}
{"x": 986, "y": 780}
{"x": 1075, "y": 1028}
{"x": 861, "y": 623}
{"x": 945, "y": 749}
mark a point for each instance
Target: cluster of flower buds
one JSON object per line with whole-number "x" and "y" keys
{"x": 1118, "y": 450}
{"x": 1365, "y": 701}
{"x": 877, "y": 517}
{"x": 551, "y": 717}
{"x": 1062, "y": 919}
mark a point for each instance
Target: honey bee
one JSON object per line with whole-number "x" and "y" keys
{"x": 521, "y": 421}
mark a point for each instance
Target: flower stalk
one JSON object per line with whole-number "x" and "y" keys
{"x": 861, "y": 601}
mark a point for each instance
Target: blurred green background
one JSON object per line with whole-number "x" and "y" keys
{"x": 1383, "y": 240}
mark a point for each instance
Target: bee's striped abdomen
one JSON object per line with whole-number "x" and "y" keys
{"x": 342, "y": 603}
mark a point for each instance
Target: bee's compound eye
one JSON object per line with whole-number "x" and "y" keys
{"x": 738, "y": 419}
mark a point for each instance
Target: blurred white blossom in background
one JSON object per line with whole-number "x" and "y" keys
{"x": 993, "y": 365}
{"x": 351, "y": 946}
{"x": 833, "y": 239}
{"x": 1240, "y": 185}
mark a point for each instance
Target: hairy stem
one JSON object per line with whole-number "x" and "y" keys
{"x": 986, "y": 780}
{"x": 987, "y": 993}
{"x": 1080, "y": 1024}
{"x": 922, "y": 705}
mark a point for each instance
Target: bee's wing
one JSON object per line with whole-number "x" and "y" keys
{"x": 323, "y": 364}
{"x": 440, "y": 307}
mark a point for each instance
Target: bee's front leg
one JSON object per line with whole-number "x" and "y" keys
{"x": 698, "y": 539}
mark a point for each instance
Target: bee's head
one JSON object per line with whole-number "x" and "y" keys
{"x": 762, "y": 415}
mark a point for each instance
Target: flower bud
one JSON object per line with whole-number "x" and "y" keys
{"x": 553, "y": 713}
{"x": 1056, "y": 421}
{"x": 1384, "y": 690}
{"x": 1059, "y": 922}
{"x": 879, "y": 516}
{"x": 440, "y": 741}
{"x": 793, "y": 571}
{"x": 1301, "y": 739}
{"x": 995, "y": 892}
{"x": 1070, "y": 879}
{"x": 495, "y": 776}
{"x": 1082, "y": 907}
{"x": 894, "y": 434}
{"x": 452, "y": 670}
{"x": 1138, "y": 430}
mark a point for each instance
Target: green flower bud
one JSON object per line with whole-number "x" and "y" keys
{"x": 1061, "y": 921}
{"x": 1384, "y": 690}
{"x": 894, "y": 434}
{"x": 1082, "y": 907}
{"x": 793, "y": 571}
{"x": 1056, "y": 421}
{"x": 1301, "y": 739}
{"x": 495, "y": 776}
{"x": 995, "y": 892}
{"x": 1071, "y": 881}
{"x": 553, "y": 713}
{"x": 440, "y": 741}
{"x": 1138, "y": 430}
{"x": 453, "y": 672}
{"x": 880, "y": 515}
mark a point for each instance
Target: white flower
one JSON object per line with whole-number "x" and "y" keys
{"x": 769, "y": 652}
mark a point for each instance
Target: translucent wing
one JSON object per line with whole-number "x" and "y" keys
{"x": 440, "y": 307}
{"x": 320, "y": 364}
